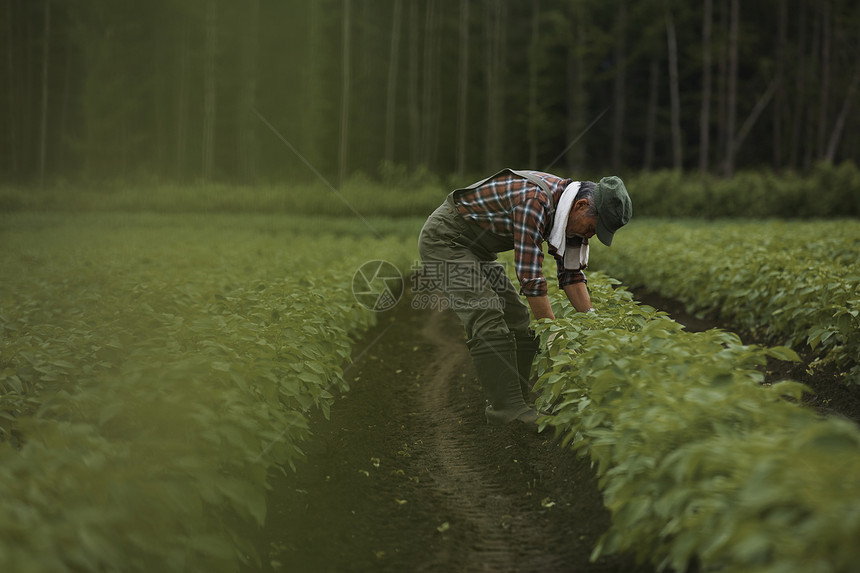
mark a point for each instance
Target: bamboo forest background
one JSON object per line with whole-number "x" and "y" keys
{"x": 259, "y": 90}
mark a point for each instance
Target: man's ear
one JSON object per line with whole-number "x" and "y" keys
{"x": 580, "y": 205}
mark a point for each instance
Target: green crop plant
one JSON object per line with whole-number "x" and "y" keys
{"x": 155, "y": 369}
{"x": 698, "y": 460}
{"x": 792, "y": 283}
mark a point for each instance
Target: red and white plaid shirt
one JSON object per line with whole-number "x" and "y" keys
{"x": 513, "y": 207}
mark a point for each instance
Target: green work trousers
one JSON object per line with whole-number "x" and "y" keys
{"x": 459, "y": 263}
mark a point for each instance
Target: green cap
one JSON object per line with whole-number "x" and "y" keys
{"x": 614, "y": 208}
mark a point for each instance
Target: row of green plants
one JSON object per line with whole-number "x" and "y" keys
{"x": 703, "y": 466}
{"x": 795, "y": 283}
{"x": 826, "y": 191}
{"x": 155, "y": 369}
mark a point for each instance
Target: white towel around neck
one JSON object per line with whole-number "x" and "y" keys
{"x": 574, "y": 259}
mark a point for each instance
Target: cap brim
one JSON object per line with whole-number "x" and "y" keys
{"x": 603, "y": 233}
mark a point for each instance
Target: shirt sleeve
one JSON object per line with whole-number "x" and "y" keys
{"x": 528, "y": 253}
{"x": 567, "y": 276}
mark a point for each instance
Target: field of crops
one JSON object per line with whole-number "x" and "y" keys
{"x": 153, "y": 369}
{"x": 699, "y": 461}
{"x": 794, "y": 283}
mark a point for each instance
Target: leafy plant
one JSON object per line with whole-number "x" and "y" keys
{"x": 698, "y": 460}
{"x": 792, "y": 283}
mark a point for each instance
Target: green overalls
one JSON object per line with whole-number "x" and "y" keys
{"x": 476, "y": 287}
{"x": 484, "y": 299}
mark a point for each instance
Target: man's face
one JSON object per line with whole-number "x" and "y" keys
{"x": 578, "y": 224}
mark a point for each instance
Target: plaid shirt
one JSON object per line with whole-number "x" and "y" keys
{"x": 513, "y": 207}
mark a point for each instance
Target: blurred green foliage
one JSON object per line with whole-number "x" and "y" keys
{"x": 155, "y": 368}
{"x": 828, "y": 191}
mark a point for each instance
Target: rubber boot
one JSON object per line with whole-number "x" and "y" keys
{"x": 495, "y": 361}
{"x": 528, "y": 346}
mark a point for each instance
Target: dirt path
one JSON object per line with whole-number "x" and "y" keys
{"x": 505, "y": 533}
{"x": 407, "y": 476}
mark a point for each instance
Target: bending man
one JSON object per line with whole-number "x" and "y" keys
{"x": 516, "y": 210}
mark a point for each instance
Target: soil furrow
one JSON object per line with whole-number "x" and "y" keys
{"x": 472, "y": 493}
{"x": 407, "y": 475}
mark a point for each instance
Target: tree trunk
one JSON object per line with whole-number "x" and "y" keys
{"x": 314, "y": 96}
{"x": 463, "y": 90}
{"x": 705, "y": 113}
{"x": 414, "y": 105}
{"x": 578, "y": 99}
{"x": 501, "y": 82}
{"x": 345, "y": 92}
{"x": 248, "y": 96}
{"x": 825, "y": 79}
{"x": 533, "y": 113}
{"x": 809, "y": 137}
{"x": 209, "y": 95}
{"x": 731, "y": 105}
{"x": 159, "y": 148}
{"x": 43, "y": 128}
{"x": 722, "y": 81}
{"x": 11, "y": 94}
{"x": 391, "y": 92}
{"x": 60, "y": 159}
{"x": 839, "y": 127}
{"x": 430, "y": 99}
{"x": 674, "y": 92}
{"x": 492, "y": 145}
{"x": 29, "y": 98}
{"x": 799, "y": 91}
{"x": 779, "y": 104}
{"x": 618, "y": 95}
{"x": 181, "y": 110}
{"x": 651, "y": 121}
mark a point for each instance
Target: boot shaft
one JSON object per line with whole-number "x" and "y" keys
{"x": 528, "y": 346}
{"x": 495, "y": 360}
